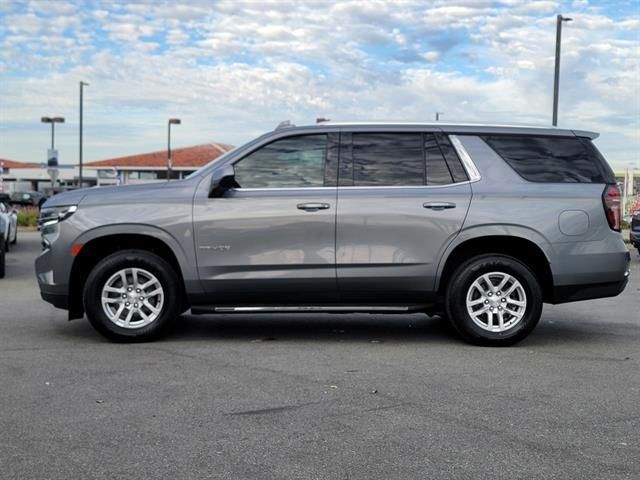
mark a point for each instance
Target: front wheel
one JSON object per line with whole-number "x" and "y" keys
{"x": 493, "y": 300}
{"x": 132, "y": 296}
{"x": 7, "y": 241}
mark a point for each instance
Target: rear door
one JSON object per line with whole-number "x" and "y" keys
{"x": 402, "y": 198}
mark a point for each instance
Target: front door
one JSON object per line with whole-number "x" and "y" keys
{"x": 271, "y": 240}
{"x": 402, "y": 198}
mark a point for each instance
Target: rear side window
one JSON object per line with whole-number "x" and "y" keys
{"x": 398, "y": 159}
{"x": 552, "y": 159}
{"x": 388, "y": 159}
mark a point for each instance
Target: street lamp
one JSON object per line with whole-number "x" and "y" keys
{"x": 172, "y": 121}
{"x": 556, "y": 78}
{"x": 82, "y": 85}
{"x": 52, "y": 121}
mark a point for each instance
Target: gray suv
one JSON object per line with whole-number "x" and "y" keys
{"x": 478, "y": 224}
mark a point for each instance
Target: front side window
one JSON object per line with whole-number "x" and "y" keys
{"x": 292, "y": 162}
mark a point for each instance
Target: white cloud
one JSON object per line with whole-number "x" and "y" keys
{"x": 235, "y": 69}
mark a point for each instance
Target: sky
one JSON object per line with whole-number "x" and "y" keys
{"x": 232, "y": 70}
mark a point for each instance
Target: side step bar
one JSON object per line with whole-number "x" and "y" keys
{"x": 208, "y": 309}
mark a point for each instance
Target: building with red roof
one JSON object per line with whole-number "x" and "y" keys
{"x": 146, "y": 167}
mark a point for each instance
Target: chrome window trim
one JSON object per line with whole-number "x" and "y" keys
{"x": 386, "y": 187}
{"x": 267, "y": 189}
{"x": 469, "y": 166}
{"x": 351, "y": 187}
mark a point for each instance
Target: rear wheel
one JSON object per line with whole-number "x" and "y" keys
{"x": 132, "y": 296}
{"x": 15, "y": 238}
{"x": 493, "y": 300}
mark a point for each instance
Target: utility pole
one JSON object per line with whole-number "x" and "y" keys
{"x": 556, "y": 77}
{"x": 82, "y": 85}
{"x": 172, "y": 121}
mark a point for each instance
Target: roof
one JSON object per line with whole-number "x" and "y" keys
{"x": 187, "y": 157}
{"x": 455, "y": 128}
{"x": 14, "y": 164}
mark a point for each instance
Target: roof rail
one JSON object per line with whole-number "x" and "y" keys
{"x": 285, "y": 124}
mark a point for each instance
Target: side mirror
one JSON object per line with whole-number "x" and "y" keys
{"x": 222, "y": 180}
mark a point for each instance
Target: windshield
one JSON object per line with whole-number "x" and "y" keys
{"x": 202, "y": 169}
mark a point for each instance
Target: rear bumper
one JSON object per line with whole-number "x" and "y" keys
{"x": 610, "y": 280}
{"x": 574, "y": 293}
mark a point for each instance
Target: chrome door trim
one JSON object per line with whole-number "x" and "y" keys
{"x": 470, "y": 167}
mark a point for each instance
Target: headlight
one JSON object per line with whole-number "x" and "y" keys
{"x": 54, "y": 215}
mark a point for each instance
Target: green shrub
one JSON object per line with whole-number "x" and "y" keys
{"x": 28, "y": 217}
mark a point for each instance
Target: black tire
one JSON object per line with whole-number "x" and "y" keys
{"x": 15, "y": 240}
{"x": 153, "y": 264}
{"x": 2, "y": 258}
{"x": 460, "y": 284}
{"x": 6, "y": 244}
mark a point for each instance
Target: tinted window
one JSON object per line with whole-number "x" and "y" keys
{"x": 289, "y": 162}
{"x": 388, "y": 159}
{"x": 458, "y": 172}
{"x": 549, "y": 159}
{"x": 437, "y": 171}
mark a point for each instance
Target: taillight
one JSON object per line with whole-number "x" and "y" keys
{"x": 611, "y": 199}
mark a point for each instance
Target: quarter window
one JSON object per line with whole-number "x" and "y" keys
{"x": 551, "y": 158}
{"x": 291, "y": 162}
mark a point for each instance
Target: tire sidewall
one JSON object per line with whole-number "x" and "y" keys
{"x": 128, "y": 259}
{"x": 466, "y": 274}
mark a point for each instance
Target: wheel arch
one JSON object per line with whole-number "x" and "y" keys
{"x": 527, "y": 247}
{"x": 99, "y": 247}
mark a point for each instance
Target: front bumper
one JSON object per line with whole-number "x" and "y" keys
{"x": 50, "y": 291}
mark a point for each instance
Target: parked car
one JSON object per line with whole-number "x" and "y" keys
{"x": 2, "y": 247}
{"x": 5, "y": 198}
{"x": 32, "y": 199}
{"x": 10, "y": 229}
{"x": 634, "y": 233}
{"x": 481, "y": 224}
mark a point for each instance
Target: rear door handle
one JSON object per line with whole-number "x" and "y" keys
{"x": 313, "y": 207}
{"x": 438, "y": 205}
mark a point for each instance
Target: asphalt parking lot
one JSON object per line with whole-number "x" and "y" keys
{"x": 317, "y": 396}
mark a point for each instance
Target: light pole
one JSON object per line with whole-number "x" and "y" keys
{"x": 52, "y": 157}
{"x": 82, "y": 85}
{"x": 172, "y": 121}
{"x": 52, "y": 121}
{"x": 556, "y": 77}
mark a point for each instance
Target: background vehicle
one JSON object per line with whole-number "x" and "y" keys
{"x": 2, "y": 248}
{"x": 5, "y": 198}
{"x": 634, "y": 233}
{"x": 34, "y": 199}
{"x": 480, "y": 224}
{"x": 10, "y": 231}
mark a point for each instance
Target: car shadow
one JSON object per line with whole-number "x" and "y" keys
{"x": 312, "y": 327}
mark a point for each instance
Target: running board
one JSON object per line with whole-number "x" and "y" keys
{"x": 207, "y": 309}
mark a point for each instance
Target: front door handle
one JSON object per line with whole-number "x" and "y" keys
{"x": 438, "y": 205}
{"x": 313, "y": 207}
